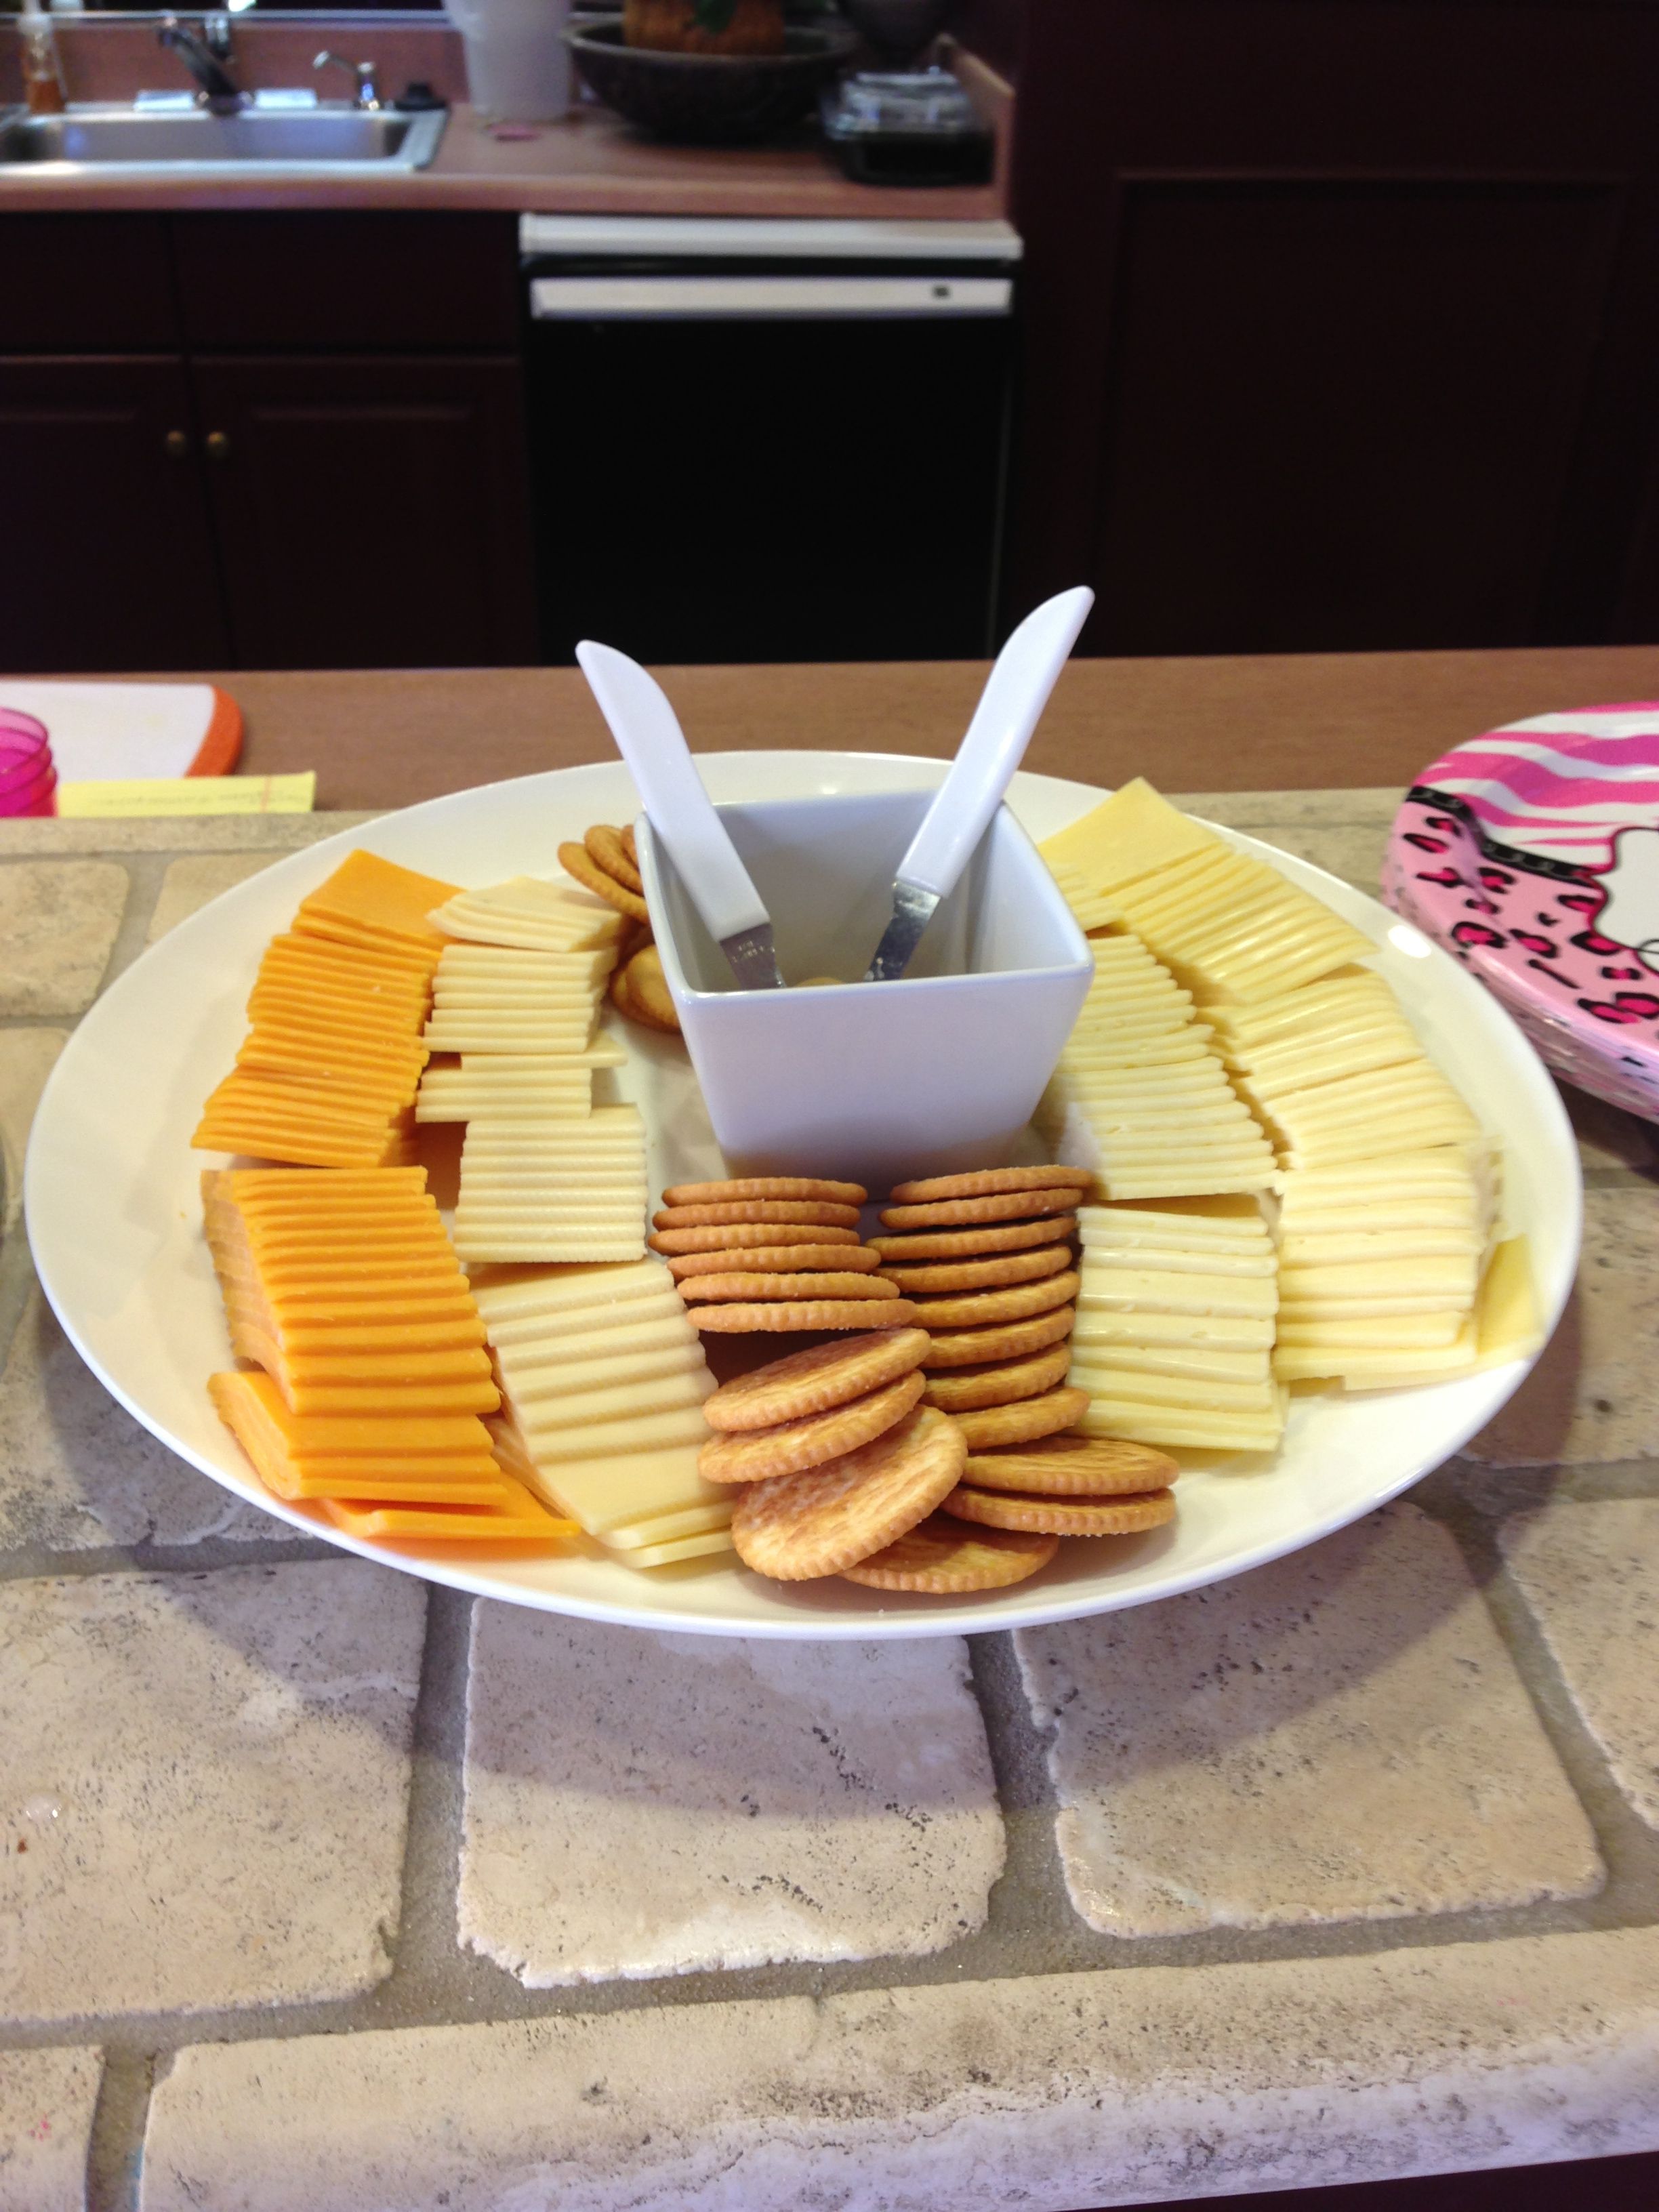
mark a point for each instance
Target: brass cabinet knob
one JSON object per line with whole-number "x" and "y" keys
{"x": 218, "y": 445}
{"x": 176, "y": 445}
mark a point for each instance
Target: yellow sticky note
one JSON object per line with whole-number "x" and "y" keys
{"x": 191, "y": 794}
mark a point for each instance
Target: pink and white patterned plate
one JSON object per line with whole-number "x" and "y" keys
{"x": 1532, "y": 854}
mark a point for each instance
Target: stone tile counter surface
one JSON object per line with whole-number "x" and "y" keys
{"x": 320, "y": 1888}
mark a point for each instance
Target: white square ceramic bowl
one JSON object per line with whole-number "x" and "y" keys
{"x": 872, "y": 1082}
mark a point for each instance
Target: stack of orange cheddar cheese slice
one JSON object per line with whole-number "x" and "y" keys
{"x": 342, "y": 1285}
{"x": 328, "y": 1073}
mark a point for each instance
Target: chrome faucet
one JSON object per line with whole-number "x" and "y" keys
{"x": 362, "y": 76}
{"x": 218, "y": 91}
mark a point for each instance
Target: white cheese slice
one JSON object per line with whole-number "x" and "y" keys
{"x": 644, "y": 1432}
{"x": 587, "y": 1339}
{"x": 572, "y": 1291}
{"x": 1227, "y": 1332}
{"x": 620, "y": 1403}
{"x": 1169, "y": 1424}
{"x": 567, "y": 1378}
{"x": 605, "y": 1493}
{"x": 1131, "y": 1290}
{"x": 668, "y": 1528}
{"x": 1200, "y": 1393}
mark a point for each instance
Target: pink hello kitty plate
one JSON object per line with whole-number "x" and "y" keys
{"x": 1532, "y": 855}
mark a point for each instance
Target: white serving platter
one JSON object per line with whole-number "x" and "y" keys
{"x": 114, "y": 1218}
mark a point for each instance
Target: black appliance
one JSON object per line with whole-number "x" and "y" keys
{"x": 759, "y": 439}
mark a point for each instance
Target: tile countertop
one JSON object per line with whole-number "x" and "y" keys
{"x": 321, "y": 1889}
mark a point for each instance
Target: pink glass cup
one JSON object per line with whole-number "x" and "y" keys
{"x": 27, "y": 778}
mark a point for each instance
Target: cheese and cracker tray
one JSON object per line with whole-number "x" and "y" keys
{"x": 494, "y": 1307}
{"x": 1258, "y": 1178}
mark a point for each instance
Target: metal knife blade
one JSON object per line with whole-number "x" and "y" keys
{"x": 913, "y": 909}
{"x": 754, "y": 958}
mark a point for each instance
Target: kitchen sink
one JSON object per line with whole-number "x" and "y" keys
{"x": 332, "y": 137}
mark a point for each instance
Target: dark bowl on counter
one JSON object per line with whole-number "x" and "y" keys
{"x": 710, "y": 99}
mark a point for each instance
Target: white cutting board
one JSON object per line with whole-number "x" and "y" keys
{"x": 116, "y": 732}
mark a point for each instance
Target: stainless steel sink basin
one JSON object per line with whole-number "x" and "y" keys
{"x": 332, "y": 138}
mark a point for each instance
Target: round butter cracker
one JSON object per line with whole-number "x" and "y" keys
{"x": 1000, "y": 1271}
{"x": 1006, "y": 1206}
{"x": 1018, "y": 1301}
{"x": 777, "y": 1259}
{"x": 800, "y": 1315}
{"x": 1008, "y": 1339}
{"x": 975, "y": 1243}
{"x": 989, "y": 1182}
{"x": 755, "y": 1455}
{"x": 940, "y": 1560}
{"x": 754, "y": 1283}
{"x": 805, "y": 1186}
{"x": 739, "y": 1236}
{"x": 607, "y": 850}
{"x": 1055, "y": 1516}
{"x": 812, "y": 1381}
{"x": 1071, "y": 1466}
{"x": 576, "y": 861}
{"x": 815, "y": 1213}
{"x": 1049, "y": 1413}
{"x": 1000, "y": 1384}
{"x": 797, "y": 1527}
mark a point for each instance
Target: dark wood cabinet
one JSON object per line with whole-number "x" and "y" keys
{"x": 263, "y": 442}
{"x": 1341, "y": 321}
{"x": 112, "y": 562}
{"x": 370, "y": 513}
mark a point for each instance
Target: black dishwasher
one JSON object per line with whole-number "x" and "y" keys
{"x": 758, "y": 440}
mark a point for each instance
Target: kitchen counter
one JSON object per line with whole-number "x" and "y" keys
{"x": 1284, "y": 722}
{"x": 1345, "y": 1871}
{"x": 591, "y": 163}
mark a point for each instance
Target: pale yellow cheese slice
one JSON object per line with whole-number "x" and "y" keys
{"x": 589, "y": 1340}
{"x": 1194, "y": 1362}
{"x": 1129, "y": 834}
{"x": 1139, "y": 1424}
{"x": 565, "y": 1379}
{"x": 1377, "y": 1332}
{"x": 1201, "y": 1395}
{"x": 683, "y": 1547}
{"x": 1126, "y": 1290}
{"x": 669, "y": 1527}
{"x": 1232, "y": 1331}
{"x": 616, "y": 1403}
{"x": 607, "y": 1493}
{"x": 643, "y": 1432}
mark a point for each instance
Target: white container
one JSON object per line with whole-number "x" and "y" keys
{"x": 518, "y": 66}
{"x": 872, "y": 1082}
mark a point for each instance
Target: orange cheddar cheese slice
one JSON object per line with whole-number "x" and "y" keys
{"x": 256, "y": 1186}
{"x": 303, "y": 948}
{"x": 380, "y": 894}
{"x": 328, "y": 1073}
{"x": 475, "y": 1397}
{"x": 416, "y": 1438}
{"x": 433, "y": 1460}
{"x": 519, "y": 1518}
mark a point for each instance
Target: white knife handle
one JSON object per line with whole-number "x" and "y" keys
{"x": 1010, "y": 708}
{"x": 649, "y": 738}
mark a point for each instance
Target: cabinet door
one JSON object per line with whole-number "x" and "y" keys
{"x": 1341, "y": 321}
{"x": 110, "y": 561}
{"x": 371, "y": 514}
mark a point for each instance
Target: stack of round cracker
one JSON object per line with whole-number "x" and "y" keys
{"x": 773, "y": 1252}
{"x": 606, "y": 864}
{"x": 841, "y": 1466}
{"x": 986, "y": 1259}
